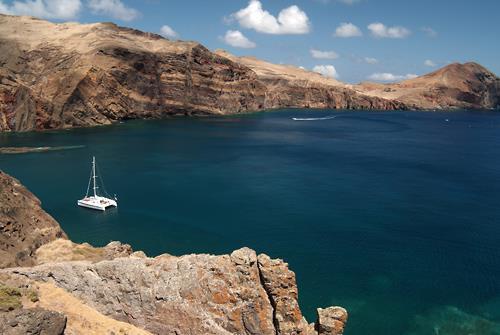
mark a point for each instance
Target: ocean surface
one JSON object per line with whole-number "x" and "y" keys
{"x": 393, "y": 215}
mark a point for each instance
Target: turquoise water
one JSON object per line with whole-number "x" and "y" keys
{"x": 394, "y": 215}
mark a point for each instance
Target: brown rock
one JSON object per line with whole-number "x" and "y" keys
{"x": 331, "y": 321}
{"x": 24, "y": 226}
{"x": 193, "y": 294}
{"x": 281, "y": 287}
{"x": 72, "y": 75}
{"x": 34, "y": 321}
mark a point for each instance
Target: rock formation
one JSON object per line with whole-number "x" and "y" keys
{"x": 24, "y": 225}
{"x": 73, "y": 75}
{"x": 32, "y": 321}
{"x": 81, "y": 289}
{"x": 331, "y": 320}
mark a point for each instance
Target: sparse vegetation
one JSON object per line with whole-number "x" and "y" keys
{"x": 10, "y": 298}
{"x": 32, "y": 295}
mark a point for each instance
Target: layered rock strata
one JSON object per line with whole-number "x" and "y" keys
{"x": 74, "y": 75}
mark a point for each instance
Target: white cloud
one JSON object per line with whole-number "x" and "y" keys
{"x": 380, "y": 30}
{"x": 167, "y": 31}
{"x": 318, "y": 54}
{"x": 429, "y": 63}
{"x": 49, "y": 9}
{"x": 391, "y": 77}
{"x": 291, "y": 20}
{"x": 326, "y": 70}
{"x": 114, "y": 8}
{"x": 429, "y": 31}
{"x": 347, "y": 30}
{"x": 236, "y": 39}
{"x": 370, "y": 60}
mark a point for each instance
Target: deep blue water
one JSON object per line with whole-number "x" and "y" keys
{"x": 394, "y": 215}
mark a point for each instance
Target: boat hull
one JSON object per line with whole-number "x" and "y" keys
{"x": 97, "y": 203}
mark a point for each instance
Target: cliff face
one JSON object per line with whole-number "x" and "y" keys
{"x": 88, "y": 290}
{"x": 74, "y": 75}
{"x": 24, "y": 225}
{"x": 289, "y": 86}
{"x": 67, "y": 75}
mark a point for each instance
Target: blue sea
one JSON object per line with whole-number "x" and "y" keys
{"x": 393, "y": 215}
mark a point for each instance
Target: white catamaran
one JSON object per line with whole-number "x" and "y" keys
{"x": 96, "y": 201}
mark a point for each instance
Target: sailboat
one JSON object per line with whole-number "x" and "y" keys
{"x": 96, "y": 201}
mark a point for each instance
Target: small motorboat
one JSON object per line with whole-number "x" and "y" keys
{"x": 96, "y": 201}
{"x": 313, "y": 118}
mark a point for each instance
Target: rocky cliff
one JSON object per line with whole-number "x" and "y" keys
{"x": 70, "y": 288}
{"x": 24, "y": 225}
{"x": 74, "y": 75}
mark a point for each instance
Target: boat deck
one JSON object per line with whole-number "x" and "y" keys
{"x": 97, "y": 202}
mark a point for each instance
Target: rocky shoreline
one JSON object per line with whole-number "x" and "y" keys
{"x": 50, "y": 285}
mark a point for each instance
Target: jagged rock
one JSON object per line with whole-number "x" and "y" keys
{"x": 193, "y": 294}
{"x": 24, "y": 226}
{"x": 331, "y": 321}
{"x": 117, "y": 249}
{"x": 34, "y": 321}
{"x": 279, "y": 283}
{"x": 138, "y": 254}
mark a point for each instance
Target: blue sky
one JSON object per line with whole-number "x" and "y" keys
{"x": 360, "y": 39}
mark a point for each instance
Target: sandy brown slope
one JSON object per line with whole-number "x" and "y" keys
{"x": 468, "y": 85}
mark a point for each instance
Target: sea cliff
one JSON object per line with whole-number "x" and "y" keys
{"x": 67, "y": 75}
{"x": 50, "y": 285}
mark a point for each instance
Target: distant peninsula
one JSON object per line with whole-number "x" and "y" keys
{"x": 55, "y": 76}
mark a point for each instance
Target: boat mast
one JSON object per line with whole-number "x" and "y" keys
{"x": 94, "y": 176}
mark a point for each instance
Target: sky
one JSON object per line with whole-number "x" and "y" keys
{"x": 351, "y": 40}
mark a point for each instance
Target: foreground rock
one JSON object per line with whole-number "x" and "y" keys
{"x": 24, "y": 225}
{"x": 81, "y": 289}
{"x": 32, "y": 321}
{"x": 198, "y": 294}
{"x": 331, "y": 320}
